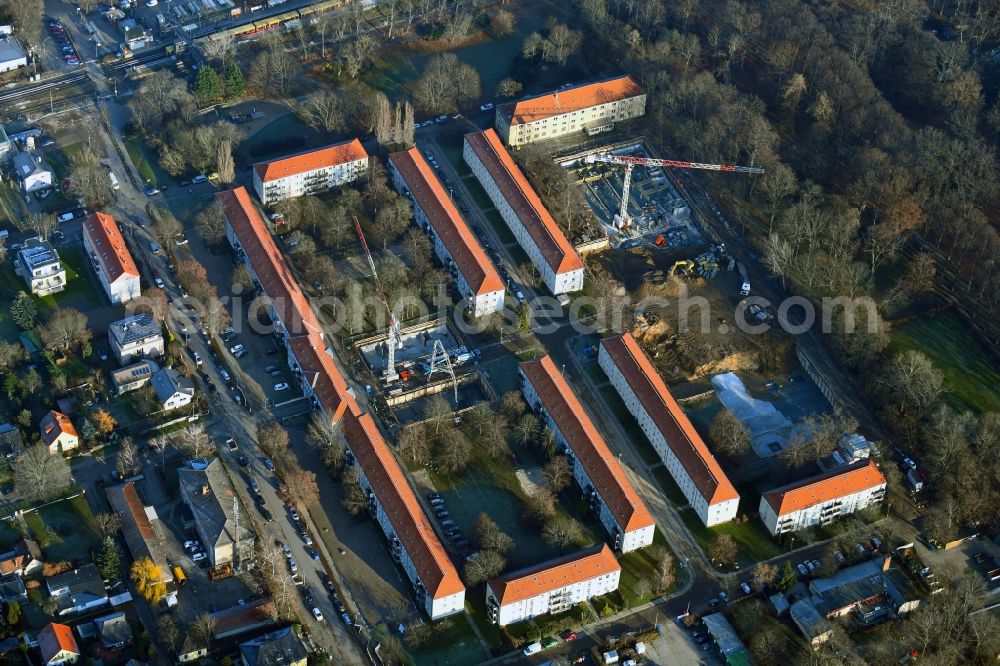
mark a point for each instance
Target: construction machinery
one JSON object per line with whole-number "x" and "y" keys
{"x": 630, "y": 162}
{"x": 394, "y": 340}
{"x": 683, "y": 266}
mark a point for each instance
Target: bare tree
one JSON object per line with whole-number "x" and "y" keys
{"x": 89, "y": 179}
{"x": 562, "y": 531}
{"x": 202, "y": 628}
{"x": 107, "y": 523}
{"x": 40, "y": 475}
{"x": 723, "y": 549}
{"x": 765, "y": 574}
{"x": 323, "y": 110}
{"x": 211, "y": 224}
{"x": 66, "y": 327}
{"x": 224, "y": 165}
{"x": 486, "y": 565}
{"x": 729, "y": 433}
{"x": 663, "y": 572}
{"x": 195, "y": 442}
{"x": 489, "y": 536}
{"x": 557, "y": 473}
{"x": 413, "y": 443}
{"x": 128, "y": 457}
{"x": 436, "y": 411}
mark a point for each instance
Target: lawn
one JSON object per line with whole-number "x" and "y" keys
{"x": 972, "y": 377}
{"x": 669, "y": 486}
{"x": 638, "y": 565}
{"x": 455, "y": 646}
{"x": 79, "y": 292}
{"x": 143, "y": 160}
{"x": 630, "y": 425}
{"x": 65, "y": 530}
{"x": 754, "y": 543}
{"x": 283, "y": 135}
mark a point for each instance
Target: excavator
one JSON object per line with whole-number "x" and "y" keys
{"x": 684, "y": 267}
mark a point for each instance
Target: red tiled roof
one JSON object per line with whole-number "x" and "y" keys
{"x": 138, "y": 513}
{"x": 322, "y": 374}
{"x": 555, "y": 575}
{"x": 54, "y": 638}
{"x": 268, "y": 263}
{"x": 54, "y": 424}
{"x": 396, "y": 496}
{"x": 559, "y": 253}
{"x": 103, "y": 235}
{"x": 571, "y": 99}
{"x": 832, "y": 485}
{"x": 310, "y": 160}
{"x": 562, "y": 405}
{"x": 449, "y": 225}
{"x": 684, "y": 440}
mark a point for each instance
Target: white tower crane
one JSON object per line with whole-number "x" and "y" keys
{"x": 630, "y": 162}
{"x": 395, "y": 339}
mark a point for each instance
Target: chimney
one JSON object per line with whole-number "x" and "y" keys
{"x": 205, "y": 489}
{"x": 886, "y": 563}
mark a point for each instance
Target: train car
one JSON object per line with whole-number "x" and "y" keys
{"x": 320, "y": 7}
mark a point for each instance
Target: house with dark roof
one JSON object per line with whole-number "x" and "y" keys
{"x": 814, "y": 627}
{"x": 173, "y": 390}
{"x": 588, "y": 107}
{"x": 58, "y": 432}
{"x": 552, "y": 587}
{"x": 78, "y": 590}
{"x": 822, "y": 499}
{"x": 24, "y": 559}
{"x": 309, "y": 172}
{"x": 610, "y": 494}
{"x": 11, "y": 441}
{"x": 57, "y": 645}
{"x": 873, "y": 590}
{"x": 277, "y": 648}
{"x": 208, "y": 491}
{"x": 12, "y": 588}
{"x": 684, "y": 454}
{"x": 133, "y": 376}
{"x": 230, "y": 622}
{"x": 136, "y": 337}
{"x": 114, "y": 631}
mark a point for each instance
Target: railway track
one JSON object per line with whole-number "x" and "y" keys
{"x": 153, "y": 58}
{"x": 10, "y": 98}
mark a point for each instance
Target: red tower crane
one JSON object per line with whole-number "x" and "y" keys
{"x": 630, "y": 162}
{"x": 395, "y": 339}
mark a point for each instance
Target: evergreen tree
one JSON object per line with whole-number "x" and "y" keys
{"x": 13, "y": 613}
{"x": 523, "y": 318}
{"x": 88, "y": 430}
{"x": 788, "y": 578}
{"x": 235, "y": 84}
{"x": 24, "y": 312}
{"x": 207, "y": 87}
{"x": 109, "y": 559}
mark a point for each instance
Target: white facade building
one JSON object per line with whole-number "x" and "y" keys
{"x": 536, "y": 231}
{"x": 113, "y": 263}
{"x": 136, "y": 337}
{"x": 32, "y": 174}
{"x": 392, "y": 502}
{"x": 601, "y": 478}
{"x": 552, "y": 587}
{"x": 309, "y": 172}
{"x": 683, "y": 452}
{"x": 395, "y": 506}
{"x": 173, "y": 390}
{"x": 39, "y": 266}
{"x": 455, "y": 245}
{"x": 820, "y": 500}
{"x": 12, "y": 56}
{"x": 590, "y": 107}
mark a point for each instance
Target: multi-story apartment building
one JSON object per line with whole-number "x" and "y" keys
{"x": 681, "y": 448}
{"x": 309, "y": 172}
{"x": 136, "y": 337}
{"x": 394, "y": 504}
{"x": 531, "y": 223}
{"x": 552, "y": 587}
{"x": 208, "y": 491}
{"x": 397, "y": 510}
{"x": 822, "y": 499}
{"x": 611, "y": 495}
{"x": 38, "y": 265}
{"x": 454, "y": 243}
{"x": 110, "y": 258}
{"x": 589, "y": 107}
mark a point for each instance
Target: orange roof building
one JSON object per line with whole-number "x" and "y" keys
{"x": 522, "y": 210}
{"x": 58, "y": 432}
{"x": 454, "y": 243}
{"x": 600, "y": 476}
{"x": 681, "y": 448}
{"x": 822, "y": 499}
{"x": 412, "y": 539}
{"x": 57, "y": 645}
{"x": 553, "y": 586}
{"x": 309, "y": 172}
{"x": 110, "y": 258}
{"x": 398, "y": 511}
{"x": 590, "y": 107}
{"x": 289, "y": 309}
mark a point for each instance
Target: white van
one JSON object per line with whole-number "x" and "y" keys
{"x": 532, "y": 649}
{"x": 114, "y": 181}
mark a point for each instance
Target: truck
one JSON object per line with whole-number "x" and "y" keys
{"x": 114, "y": 180}
{"x": 913, "y": 477}
{"x": 745, "y": 276}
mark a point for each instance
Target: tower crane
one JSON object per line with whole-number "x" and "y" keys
{"x": 395, "y": 339}
{"x": 630, "y": 162}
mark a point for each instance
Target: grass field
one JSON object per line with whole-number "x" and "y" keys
{"x": 455, "y": 646}
{"x": 79, "y": 292}
{"x": 754, "y": 542}
{"x": 65, "y": 530}
{"x": 639, "y": 565}
{"x": 145, "y": 161}
{"x": 973, "y": 379}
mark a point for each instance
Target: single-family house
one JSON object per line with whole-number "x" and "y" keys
{"x": 24, "y": 560}
{"x": 78, "y": 590}
{"x": 277, "y": 648}
{"x": 58, "y": 432}
{"x": 114, "y": 631}
{"x": 173, "y": 389}
{"x": 57, "y": 645}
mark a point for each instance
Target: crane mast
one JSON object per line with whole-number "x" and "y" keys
{"x": 630, "y": 162}
{"x": 395, "y": 339}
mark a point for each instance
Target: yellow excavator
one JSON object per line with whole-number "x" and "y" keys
{"x": 684, "y": 267}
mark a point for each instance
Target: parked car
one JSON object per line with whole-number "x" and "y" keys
{"x": 315, "y": 611}
{"x": 152, "y": 191}
{"x": 281, "y": 386}
{"x": 231, "y": 444}
{"x": 568, "y": 635}
{"x": 198, "y": 556}
{"x": 746, "y": 588}
{"x": 802, "y": 569}
{"x": 154, "y": 248}
{"x": 159, "y": 281}
{"x": 243, "y": 461}
{"x": 313, "y": 555}
{"x": 270, "y": 466}
{"x": 235, "y": 349}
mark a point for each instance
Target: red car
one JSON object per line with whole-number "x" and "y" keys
{"x": 568, "y": 635}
